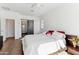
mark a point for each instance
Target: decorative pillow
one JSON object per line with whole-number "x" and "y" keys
{"x": 49, "y": 33}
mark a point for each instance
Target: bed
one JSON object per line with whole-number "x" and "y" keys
{"x": 42, "y": 44}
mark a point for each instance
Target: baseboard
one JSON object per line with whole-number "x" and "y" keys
{"x": 10, "y": 37}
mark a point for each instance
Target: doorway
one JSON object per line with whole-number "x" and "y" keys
{"x": 10, "y": 28}
{"x": 27, "y": 27}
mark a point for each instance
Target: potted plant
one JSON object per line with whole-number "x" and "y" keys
{"x": 75, "y": 41}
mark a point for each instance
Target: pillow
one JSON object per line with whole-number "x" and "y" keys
{"x": 57, "y": 34}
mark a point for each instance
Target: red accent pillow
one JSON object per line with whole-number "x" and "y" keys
{"x": 49, "y": 32}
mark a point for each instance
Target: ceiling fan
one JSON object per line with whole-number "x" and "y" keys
{"x": 34, "y": 6}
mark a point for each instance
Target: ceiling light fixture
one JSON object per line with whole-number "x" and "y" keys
{"x": 35, "y": 5}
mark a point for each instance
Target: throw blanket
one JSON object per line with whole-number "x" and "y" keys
{"x": 50, "y": 47}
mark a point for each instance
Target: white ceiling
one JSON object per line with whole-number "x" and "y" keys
{"x": 30, "y": 8}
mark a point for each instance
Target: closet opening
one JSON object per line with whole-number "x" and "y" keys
{"x": 27, "y": 27}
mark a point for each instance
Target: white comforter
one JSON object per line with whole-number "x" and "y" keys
{"x": 31, "y": 43}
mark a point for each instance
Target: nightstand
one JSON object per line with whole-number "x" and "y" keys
{"x": 70, "y": 48}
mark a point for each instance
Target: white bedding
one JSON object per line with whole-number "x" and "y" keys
{"x": 50, "y": 47}
{"x": 32, "y": 42}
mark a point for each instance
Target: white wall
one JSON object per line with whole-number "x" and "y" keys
{"x": 64, "y": 17}
{"x": 24, "y": 23}
{"x": 3, "y": 29}
{"x": 4, "y": 14}
{"x": 17, "y": 29}
{"x": 0, "y": 26}
{"x": 36, "y": 26}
